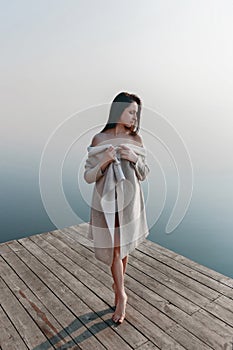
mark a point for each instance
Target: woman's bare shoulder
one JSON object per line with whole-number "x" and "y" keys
{"x": 138, "y": 139}
{"x": 97, "y": 139}
{"x": 102, "y": 137}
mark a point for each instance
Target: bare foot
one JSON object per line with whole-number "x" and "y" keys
{"x": 115, "y": 301}
{"x": 119, "y": 313}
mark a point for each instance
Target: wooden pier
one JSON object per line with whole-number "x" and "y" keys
{"x": 56, "y": 295}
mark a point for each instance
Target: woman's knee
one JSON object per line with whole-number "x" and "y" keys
{"x": 116, "y": 252}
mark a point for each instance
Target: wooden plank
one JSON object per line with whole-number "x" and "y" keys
{"x": 167, "y": 294}
{"x": 71, "y": 291}
{"x": 154, "y": 333}
{"x": 153, "y": 314}
{"x": 188, "y": 262}
{"x": 73, "y": 325}
{"x": 129, "y": 333}
{"x": 73, "y": 235}
{"x": 226, "y": 302}
{"x": 153, "y": 267}
{"x": 25, "y": 326}
{"x": 148, "y": 346}
{"x": 41, "y": 316}
{"x": 221, "y": 312}
{"x": 175, "y": 266}
{"x": 83, "y": 228}
{"x": 81, "y": 232}
{"x": 165, "y": 263}
{"x": 215, "y": 324}
{"x": 178, "y": 315}
{"x": 215, "y": 310}
{"x": 175, "y": 291}
{"x": 179, "y": 325}
{"x": 9, "y": 337}
{"x": 4, "y": 249}
{"x": 142, "y": 324}
{"x": 219, "y": 324}
{"x": 58, "y": 275}
{"x": 191, "y": 322}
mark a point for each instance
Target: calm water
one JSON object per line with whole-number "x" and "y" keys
{"x": 204, "y": 235}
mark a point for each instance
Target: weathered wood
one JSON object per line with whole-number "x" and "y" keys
{"x": 187, "y": 271}
{"x": 54, "y": 280}
{"x": 64, "y": 257}
{"x": 214, "y": 310}
{"x": 99, "y": 277}
{"x": 28, "y": 330}
{"x": 56, "y": 334}
{"x": 148, "y": 346}
{"x": 64, "y": 315}
{"x": 187, "y": 322}
{"x": 4, "y": 248}
{"x": 9, "y": 337}
{"x": 61, "y": 284}
{"x": 184, "y": 260}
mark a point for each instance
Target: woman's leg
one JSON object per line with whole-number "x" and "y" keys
{"x": 117, "y": 242}
{"x": 124, "y": 261}
{"x": 118, "y": 269}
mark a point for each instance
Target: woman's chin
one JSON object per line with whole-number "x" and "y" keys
{"x": 133, "y": 127}
{"x": 129, "y": 127}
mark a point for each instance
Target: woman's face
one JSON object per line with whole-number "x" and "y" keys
{"x": 129, "y": 116}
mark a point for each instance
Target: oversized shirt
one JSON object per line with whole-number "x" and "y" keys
{"x": 117, "y": 189}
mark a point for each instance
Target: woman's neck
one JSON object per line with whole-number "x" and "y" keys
{"x": 120, "y": 130}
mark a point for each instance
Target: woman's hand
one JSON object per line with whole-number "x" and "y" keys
{"x": 127, "y": 153}
{"x": 109, "y": 156}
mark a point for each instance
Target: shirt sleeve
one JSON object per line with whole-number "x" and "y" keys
{"x": 92, "y": 174}
{"x": 141, "y": 168}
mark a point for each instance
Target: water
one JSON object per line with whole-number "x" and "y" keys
{"x": 204, "y": 235}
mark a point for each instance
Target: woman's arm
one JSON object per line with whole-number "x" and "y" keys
{"x": 93, "y": 174}
{"x": 138, "y": 161}
{"x": 141, "y": 168}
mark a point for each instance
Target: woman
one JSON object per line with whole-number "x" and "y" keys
{"x": 116, "y": 163}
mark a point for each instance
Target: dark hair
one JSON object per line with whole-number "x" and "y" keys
{"x": 119, "y": 104}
